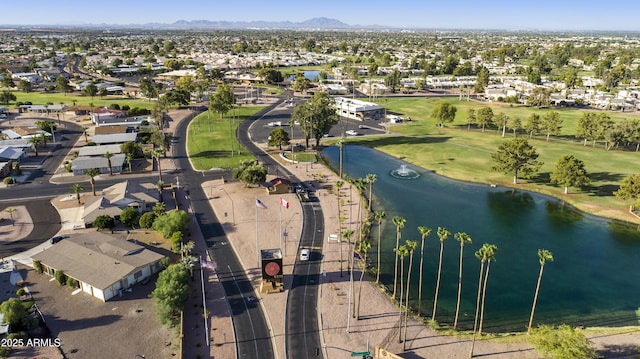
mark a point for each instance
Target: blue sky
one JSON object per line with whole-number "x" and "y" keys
{"x": 458, "y": 14}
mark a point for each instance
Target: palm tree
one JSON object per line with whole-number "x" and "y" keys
{"x": 92, "y": 173}
{"x": 156, "y": 154}
{"x": 347, "y": 235}
{"x": 129, "y": 158}
{"x": 11, "y": 211}
{"x": 77, "y": 188}
{"x": 364, "y": 249}
{"x": 402, "y": 251}
{"x": 44, "y": 139}
{"x": 370, "y": 179}
{"x": 399, "y": 222}
{"x": 462, "y": 238}
{"x": 35, "y": 141}
{"x": 424, "y": 232}
{"x": 485, "y": 254}
{"x": 481, "y": 255}
{"x": 443, "y": 234}
{"x": 338, "y": 186}
{"x": 411, "y": 247}
{"x": 340, "y": 144}
{"x": 108, "y": 156}
{"x": 84, "y": 131}
{"x": 379, "y": 215}
{"x": 159, "y": 186}
{"x": 544, "y": 256}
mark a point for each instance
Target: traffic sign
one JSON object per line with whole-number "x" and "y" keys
{"x": 359, "y": 354}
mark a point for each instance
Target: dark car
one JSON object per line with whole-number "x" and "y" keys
{"x": 56, "y": 239}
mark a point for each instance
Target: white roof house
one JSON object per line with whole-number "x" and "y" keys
{"x": 115, "y": 138}
{"x": 357, "y": 109}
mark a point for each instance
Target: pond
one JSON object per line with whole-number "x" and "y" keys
{"x": 311, "y": 75}
{"x": 592, "y": 282}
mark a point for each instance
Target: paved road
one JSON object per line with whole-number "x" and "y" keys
{"x": 253, "y": 338}
{"x": 302, "y": 327}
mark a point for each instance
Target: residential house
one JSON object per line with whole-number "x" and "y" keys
{"x": 115, "y": 138}
{"x": 116, "y": 198}
{"x": 103, "y": 265}
{"x": 81, "y": 164}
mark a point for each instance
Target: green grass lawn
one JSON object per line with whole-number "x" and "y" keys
{"x": 41, "y": 98}
{"x": 455, "y": 152}
{"x": 210, "y": 140}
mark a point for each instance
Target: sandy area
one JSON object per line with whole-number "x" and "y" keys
{"x": 22, "y": 225}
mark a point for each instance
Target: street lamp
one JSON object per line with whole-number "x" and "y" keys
{"x": 233, "y": 211}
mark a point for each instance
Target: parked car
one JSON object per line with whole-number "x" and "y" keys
{"x": 351, "y": 133}
{"x": 56, "y": 239}
{"x": 304, "y": 254}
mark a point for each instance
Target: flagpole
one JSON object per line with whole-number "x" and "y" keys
{"x": 280, "y": 223}
{"x": 257, "y": 254}
{"x": 204, "y": 303}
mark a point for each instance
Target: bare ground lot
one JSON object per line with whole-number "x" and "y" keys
{"x": 89, "y": 328}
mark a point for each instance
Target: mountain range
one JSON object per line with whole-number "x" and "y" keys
{"x": 318, "y": 23}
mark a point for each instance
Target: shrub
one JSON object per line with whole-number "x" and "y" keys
{"x": 37, "y": 265}
{"x": 146, "y": 220}
{"x": 104, "y": 222}
{"x": 60, "y": 277}
{"x": 129, "y": 216}
{"x": 563, "y": 342}
{"x": 20, "y": 292}
{"x": 176, "y": 241}
{"x": 72, "y": 283}
{"x": 9, "y": 180}
{"x": 29, "y": 322}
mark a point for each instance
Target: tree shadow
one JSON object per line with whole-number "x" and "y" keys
{"x": 619, "y": 351}
{"x": 401, "y": 140}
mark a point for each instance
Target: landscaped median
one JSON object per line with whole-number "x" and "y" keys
{"x": 212, "y": 142}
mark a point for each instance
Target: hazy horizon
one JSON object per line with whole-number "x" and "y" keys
{"x": 544, "y": 15}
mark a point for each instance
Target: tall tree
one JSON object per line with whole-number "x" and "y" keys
{"x": 443, "y": 112}
{"x": 471, "y": 117}
{"x": 569, "y": 172}
{"x": 484, "y": 117}
{"x": 401, "y": 252}
{"x": 516, "y": 157}
{"x": 462, "y": 238}
{"x": 222, "y": 100}
{"x": 108, "y": 156}
{"x": 443, "y": 234}
{"x": 551, "y": 124}
{"x": 171, "y": 293}
{"x": 62, "y": 84}
{"x": 486, "y": 252}
{"x": 379, "y": 216}
{"x": 544, "y": 255}
{"x": 533, "y": 124}
{"x": 35, "y": 141}
{"x": 156, "y": 154}
{"x": 370, "y": 179}
{"x": 92, "y": 173}
{"x": 424, "y": 233}
{"x": 77, "y": 188}
{"x": 411, "y": 247}
{"x": 278, "y": 137}
{"x": 502, "y": 120}
{"x": 482, "y": 80}
{"x": 91, "y": 90}
{"x": 364, "y": 250}
{"x": 6, "y": 97}
{"x": 399, "y": 223}
{"x": 630, "y": 188}
{"x": 338, "y": 186}
{"x": 491, "y": 251}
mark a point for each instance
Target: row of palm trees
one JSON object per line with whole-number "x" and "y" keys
{"x": 486, "y": 254}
